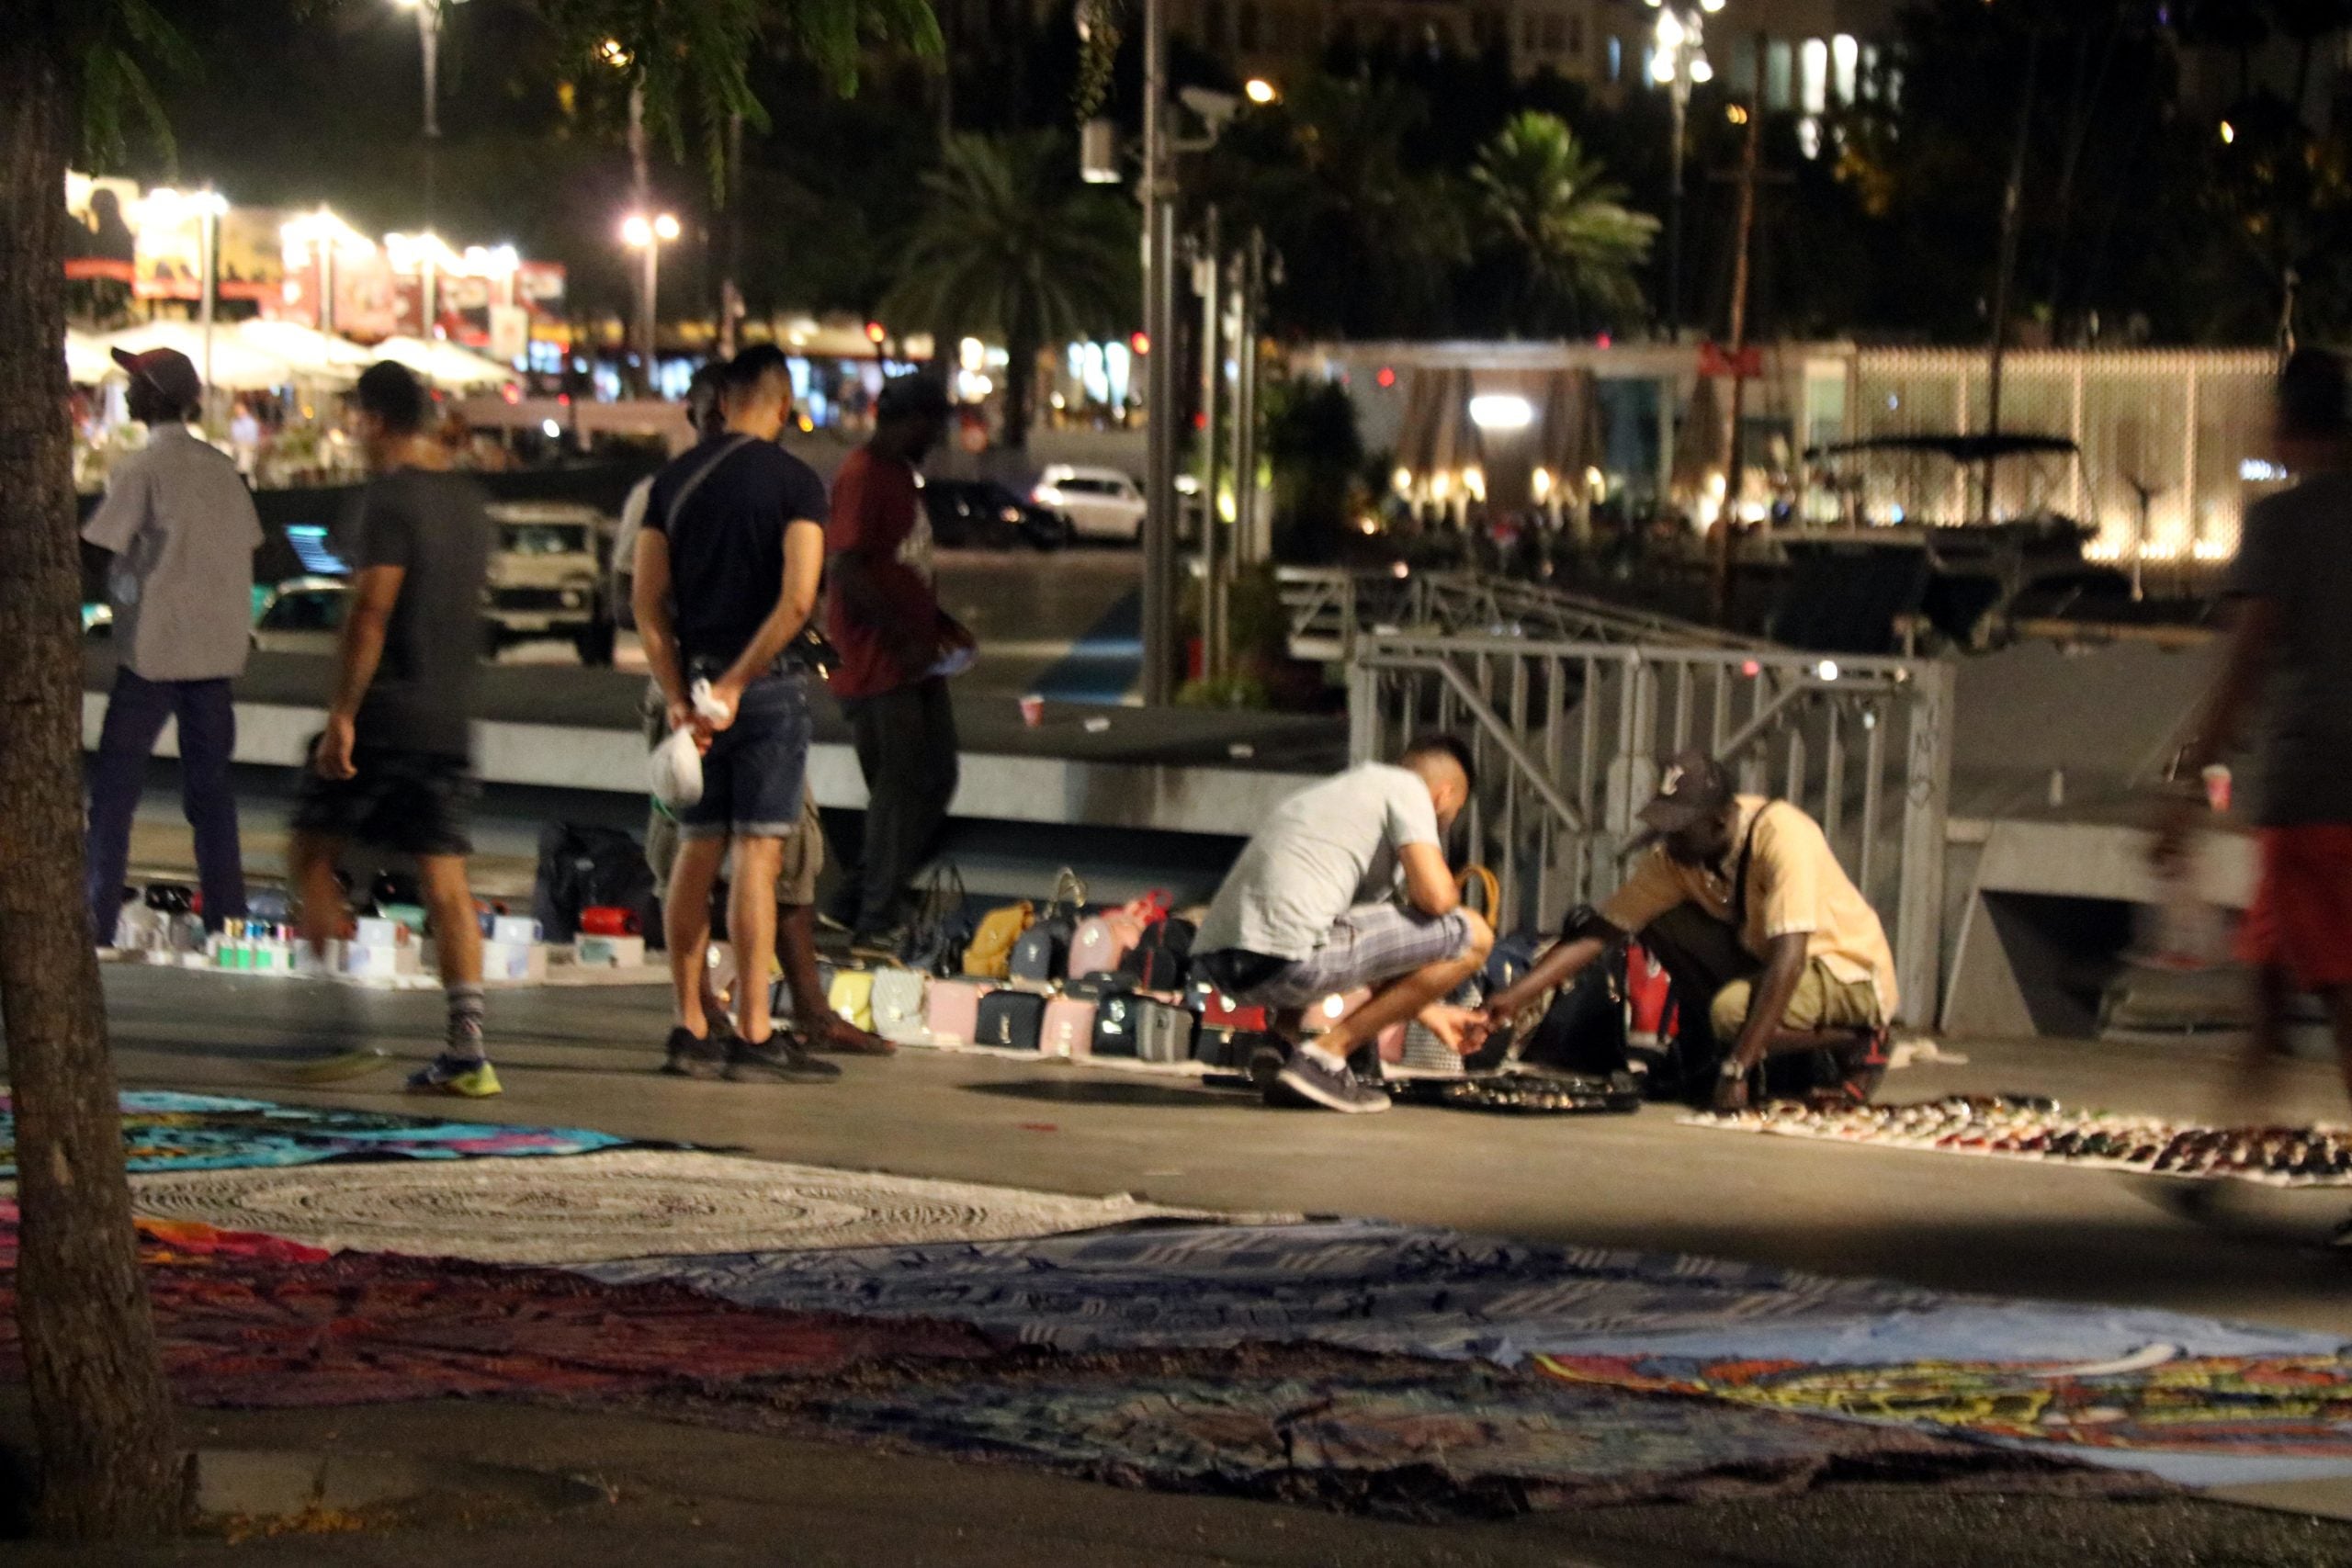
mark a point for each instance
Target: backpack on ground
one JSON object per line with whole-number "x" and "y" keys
{"x": 582, "y": 868}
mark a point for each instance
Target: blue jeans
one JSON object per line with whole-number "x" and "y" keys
{"x": 752, "y": 774}
{"x": 135, "y": 718}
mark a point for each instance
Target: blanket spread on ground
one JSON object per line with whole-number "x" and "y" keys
{"x": 163, "y": 1130}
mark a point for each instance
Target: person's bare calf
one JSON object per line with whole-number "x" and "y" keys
{"x": 1418, "y": 994}
{"x": 751, "y": 926}
{"x": 318, "y": 913}
{"x": 687, "y": 930}
{"x": 812, "y": 1013}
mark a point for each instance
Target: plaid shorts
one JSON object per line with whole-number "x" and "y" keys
{"x": 1367, "y": 946}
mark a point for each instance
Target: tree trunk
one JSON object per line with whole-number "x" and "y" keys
{"x": 1021, "y": 349}
{"x": 101, "y": 1412}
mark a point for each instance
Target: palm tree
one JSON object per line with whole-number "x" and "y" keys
{"x": 1011, "y": 245}
{"x": 1369, "y": 243}
{"x": 1548, "y": 206}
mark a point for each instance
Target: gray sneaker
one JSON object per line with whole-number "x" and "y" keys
{"x": 1304, "y": 1077}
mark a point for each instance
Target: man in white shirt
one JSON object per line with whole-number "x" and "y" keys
{"x": 1313, "y": 909}
{"x": 183, "y": 530}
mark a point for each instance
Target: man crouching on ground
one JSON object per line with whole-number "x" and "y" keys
{"x": 1770, "y": 946}
{"x": 1312, "y": 910}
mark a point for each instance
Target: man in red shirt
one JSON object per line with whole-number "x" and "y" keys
{"x": 883, "y": 615}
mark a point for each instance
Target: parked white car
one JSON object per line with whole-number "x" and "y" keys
{"x": 1100, "y": 504}
{"x": 302, "y": 614}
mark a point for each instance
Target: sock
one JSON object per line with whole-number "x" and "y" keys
{"x": 1323, "y": 1058}
{"x": 465, "y": 1022}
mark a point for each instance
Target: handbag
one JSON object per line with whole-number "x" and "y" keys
{"x": 851, "y": 995}
{"x": 990, "y": 956}
{"x": 939, "y": 932}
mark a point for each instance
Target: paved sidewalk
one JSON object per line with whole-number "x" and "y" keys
{"x": 694, "y": 1494}
{"x": 689, "y": 1496}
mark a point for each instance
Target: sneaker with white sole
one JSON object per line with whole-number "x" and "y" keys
{"x": 1338, "y": 1089}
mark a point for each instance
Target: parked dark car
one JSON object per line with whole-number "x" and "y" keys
{"x": 980, "y": 514}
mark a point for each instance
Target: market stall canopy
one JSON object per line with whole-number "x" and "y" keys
{"x": 311, "y": 353}
{"x": 444, "y": 363}
{"x": 236, "y": 365}
{"x": 87, "y": 360}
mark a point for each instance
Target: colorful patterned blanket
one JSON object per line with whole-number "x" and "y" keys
{"x": 202, "y": 1131}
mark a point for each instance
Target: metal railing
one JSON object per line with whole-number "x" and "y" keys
{"x": 1570, "y": 734}
{"x": 1330, "y": 608}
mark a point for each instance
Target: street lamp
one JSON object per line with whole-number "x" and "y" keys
{"x": 648, "y": 235}
{"x": 1259, "y": 91}
{"x": 1678, "y": 62}
{"x": 428, "y": 34}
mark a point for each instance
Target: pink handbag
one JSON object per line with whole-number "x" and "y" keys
{"x": 1101, "y": 941}
{"x": 1070, "y": 1028}
{"x": 952, "y": 1010}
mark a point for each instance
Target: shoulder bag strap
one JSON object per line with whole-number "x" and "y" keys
{"x": 1739, "y": 877}
{"x": 694, "y": 480}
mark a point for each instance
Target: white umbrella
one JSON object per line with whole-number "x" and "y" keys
{"x": 444, "y": 363}
{"x": 311, "y": 353}
{"x": 87, "y": 360}
{"x": 237, "y": 366}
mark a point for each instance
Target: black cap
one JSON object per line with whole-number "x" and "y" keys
{"x": 1695, "y": 788}
{"x": 167, "y": 370}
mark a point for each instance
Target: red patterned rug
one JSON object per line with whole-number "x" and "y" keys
{"x": 253, "y": 1320}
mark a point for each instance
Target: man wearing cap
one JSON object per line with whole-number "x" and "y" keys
{"x": 182, "y": 530}
{"x": 884, "y": 616}
{"x": 1771, "y": 947}
{"x": 394, "y": 767}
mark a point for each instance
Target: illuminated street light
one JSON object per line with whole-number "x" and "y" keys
{"x": 2229, "y": 133}
{"x": 614, "y": 53}
{"x": 428, "y": 35}
{"x": 1678, "y": 62}
{"x": 1258, "y": 90}
{"x": 648, "y": 235}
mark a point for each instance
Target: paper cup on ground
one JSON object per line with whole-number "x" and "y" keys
{"x": 1032, "y": 710}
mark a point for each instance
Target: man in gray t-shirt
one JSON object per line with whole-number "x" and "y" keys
{"x": 2291, "y": 593}
{"x": 1313, "y": 909}
{"x": 392, "y": 767}
{"x": 182, "y": 530}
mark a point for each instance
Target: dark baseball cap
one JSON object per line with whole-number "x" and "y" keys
{"x": 167, "y": 370}
{"x": 1695, "y": 788}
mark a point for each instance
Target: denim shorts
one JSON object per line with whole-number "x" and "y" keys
{"x": 754, "y": 773}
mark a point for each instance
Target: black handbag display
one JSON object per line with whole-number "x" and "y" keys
{"x": 1118, "y": 1024}
{"x": 1162, "y": 960}
{"x": 1014, "y": 1019}
{"x": 940, "y": 928}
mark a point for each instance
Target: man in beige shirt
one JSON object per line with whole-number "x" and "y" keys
{"x": 1743, "y": 901}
